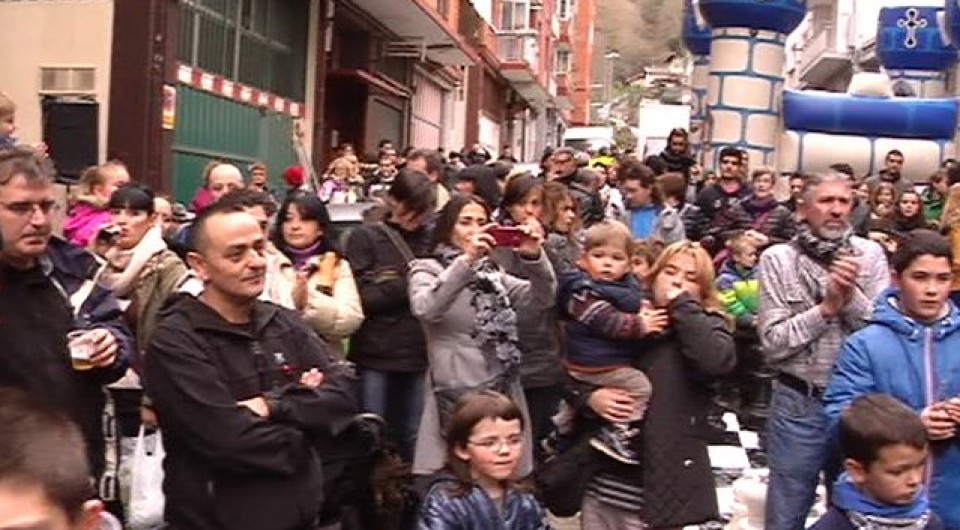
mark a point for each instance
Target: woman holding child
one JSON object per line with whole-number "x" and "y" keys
{"x": 675, "y": 480}
{"x": 468, "y": 308}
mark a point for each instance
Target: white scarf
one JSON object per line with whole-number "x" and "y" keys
{"x": 125, "y": 266}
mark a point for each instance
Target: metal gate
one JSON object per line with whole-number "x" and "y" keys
{"x": 427, "y": 120}
{"x": 210, "y": 127}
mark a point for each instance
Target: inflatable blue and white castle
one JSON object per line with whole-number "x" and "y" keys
{"x": 738, "y": 97}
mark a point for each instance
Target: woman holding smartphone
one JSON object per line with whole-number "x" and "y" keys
{"x": 468, "y": 308}
{"x": 541, "y": 373}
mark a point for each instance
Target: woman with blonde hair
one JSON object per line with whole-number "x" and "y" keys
{"x": 950, "y": 226}
{"x": 674, "y": 486}
{"x": 339, "y": 182}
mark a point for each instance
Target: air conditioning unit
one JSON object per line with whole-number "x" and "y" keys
{"x": 411, "y": 49}
{"x": 67, "y": 80}
{"x": 536, "y": 5}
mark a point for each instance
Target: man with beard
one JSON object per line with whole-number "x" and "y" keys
{"x": 893, "y": 165}
{"x": 860, "y": 212}
{"x": 47, "y": 290}
{"x": 814, "y": 291}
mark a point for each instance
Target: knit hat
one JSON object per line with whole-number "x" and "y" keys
{"x": 294, "y": 176}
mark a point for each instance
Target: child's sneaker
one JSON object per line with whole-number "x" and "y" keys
{"x": 615, "y": 443}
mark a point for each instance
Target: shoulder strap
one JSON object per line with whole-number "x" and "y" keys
{"x": 397, "y": 241}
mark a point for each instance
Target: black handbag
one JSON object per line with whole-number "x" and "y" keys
{"x": 562, "y": 480}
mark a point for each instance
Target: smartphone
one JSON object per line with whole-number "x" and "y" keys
{"x": 108, "y": 235}
{"x": 506, "y": 236}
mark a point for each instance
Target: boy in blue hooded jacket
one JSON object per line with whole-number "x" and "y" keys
{"x": 886, "y": 448}
{"x": 911, "y": 350}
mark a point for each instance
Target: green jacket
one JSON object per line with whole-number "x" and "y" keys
{"x": 933, "y": 203}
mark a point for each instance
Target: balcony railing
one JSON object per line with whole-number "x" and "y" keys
{"x": 566, "y": 29}
{"x": 822, "y": 42}
{"x": 490, "y": 40}
{"x": 477, "y": 31}
{"x": 519, "y": 48}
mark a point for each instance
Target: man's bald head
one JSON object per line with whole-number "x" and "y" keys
{"x": 200, "y": 229}
{"x": 223, "y": 179}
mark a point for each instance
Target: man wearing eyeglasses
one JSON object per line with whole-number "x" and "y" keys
{"x": 719, "y": 203}
{"x": 48, "y": 289}
{"x": 566, "y": 170}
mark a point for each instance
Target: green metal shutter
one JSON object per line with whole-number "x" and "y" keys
{"x": 210, "y": 127}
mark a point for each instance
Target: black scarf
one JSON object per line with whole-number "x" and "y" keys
{"x": 908, "y": 224}
{"x": 677, "y": 162}
{"x": 496, "y": 328}
{"x": 823, "y": 251}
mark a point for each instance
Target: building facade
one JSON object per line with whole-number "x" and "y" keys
{"x": 574, "y": 58}
{"x": 837, "y": 38}
{"x": 179, "y": 83}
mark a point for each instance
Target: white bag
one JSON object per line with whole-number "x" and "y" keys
{"x": 145, "y": 511}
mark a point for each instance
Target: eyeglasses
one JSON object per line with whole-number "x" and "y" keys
{"x": 494, "y": 444}
{"x": 25, "y": 208}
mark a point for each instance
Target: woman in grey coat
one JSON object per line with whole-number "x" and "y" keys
{"x": 466, "y": 305}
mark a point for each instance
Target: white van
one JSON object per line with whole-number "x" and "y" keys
{"x": 593, "y": 138}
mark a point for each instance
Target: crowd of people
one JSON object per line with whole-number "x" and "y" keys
{"x": 490, "y": 344}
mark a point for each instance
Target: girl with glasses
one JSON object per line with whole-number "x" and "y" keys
{"x": 476, "y": 488}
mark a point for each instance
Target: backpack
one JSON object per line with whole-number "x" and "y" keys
{"x": 589, "y": 203}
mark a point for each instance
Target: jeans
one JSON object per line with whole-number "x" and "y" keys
{"x": 797, "y": 448}
{"x": 398, "y": 398}
{"x": 542, "y": 403}
{"x": 595, "y": 515}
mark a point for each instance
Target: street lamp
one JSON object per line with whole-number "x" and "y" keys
{"x": 609, "y": 57}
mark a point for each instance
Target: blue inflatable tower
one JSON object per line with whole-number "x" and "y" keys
{"x": 696, "y": 37}
{"x": 747, "y": 55}
{"x": 914, "y": 51}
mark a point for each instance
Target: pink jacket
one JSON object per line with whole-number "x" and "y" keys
{"x": 201, "y": 200}
{"x": 83, "y": 223}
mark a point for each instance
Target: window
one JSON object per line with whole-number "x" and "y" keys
{"x": 258, "y": 42}
{"x": 515, "y": 15}
{"x": 562, "y": 63}
{"x": 565, "y": 9}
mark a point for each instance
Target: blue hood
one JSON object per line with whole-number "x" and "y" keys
{"x": 729, "y": 267}
{"x": 886, "y": 313}
{"x": 848, "y": 497}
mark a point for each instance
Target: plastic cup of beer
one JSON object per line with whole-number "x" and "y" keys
{"x": 80, "y": 344}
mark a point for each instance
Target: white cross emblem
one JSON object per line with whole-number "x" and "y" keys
{"x": 912, "y": 23}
